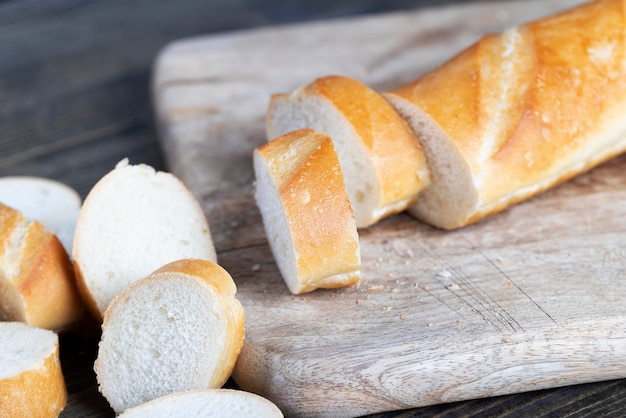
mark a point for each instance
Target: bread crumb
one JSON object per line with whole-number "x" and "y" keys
{"x": 403, "y": 317}
{"x": 376, "y": 288}
{"x": 386, "y": 308}
{"x": 256, "y": 267}
{"x": 444, "y": 274}
{"x": 459, "y": 321}
{"x": 453, "y": 287}
{"x": 508, "y": 283}
{"x": 506, "y": 339}
{"x": 430, "y": 325}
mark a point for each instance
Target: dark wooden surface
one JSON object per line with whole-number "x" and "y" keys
{"x": 74, "y": 100}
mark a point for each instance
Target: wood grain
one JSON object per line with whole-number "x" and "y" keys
{"x": 518, "y": 302}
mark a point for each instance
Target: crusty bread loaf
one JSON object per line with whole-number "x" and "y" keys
{"x": 133, "y": 221}
{"x": 519, "y": 112}
{"x": 306, "y": 211}
{"x": 382, "y": 161}
{"x": 178, "y": 329}
{"x": 31, "y": 379}
{"x": 54, "y": 204}
{"x": 215, "y": 403}
{"x": 37, "y": 283}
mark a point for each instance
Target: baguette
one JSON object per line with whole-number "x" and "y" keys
{"x": 31, "y": 380}
{"x": 217, "y": 403}
{"x": 37, "y": 283}
{"x": 519, "y": 112}
{"x": 178, "y": 329}
{"x": 133, "y": 221}
{"x": 306, "y": 212}
{"x": 52, "y": 203}
{"x": 382, "y": 160}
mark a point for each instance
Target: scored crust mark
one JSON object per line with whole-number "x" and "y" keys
{"x": 519, "y": 112}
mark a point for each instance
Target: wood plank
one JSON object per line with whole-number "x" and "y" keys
{"x": 515, "y": 303}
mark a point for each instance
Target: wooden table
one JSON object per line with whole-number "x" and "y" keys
{"x": 75, "y": 99}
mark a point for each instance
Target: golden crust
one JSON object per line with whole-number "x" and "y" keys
{"x": 40, "y": 274}
{"x": 319, "y": 214}
{"x": 395, "y": 151}
{"x": 35, "y": 393}
{"x": 534, "y": 106}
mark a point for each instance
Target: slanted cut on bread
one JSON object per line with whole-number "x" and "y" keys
{"x": 215, "y": 403}
{"x": 178, "y": 329}
{"x": 133, "y": 221}
{"x": 382, "y": 160}
{"x": 54, "y": 204}
{"x": 37, "y": 283}
{"x": 31, "y": 379}
{"x": 519, "y": 112}
{"x": 306, "y": 211}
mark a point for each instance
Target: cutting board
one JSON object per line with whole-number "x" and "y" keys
{"x": 530, "y": 298}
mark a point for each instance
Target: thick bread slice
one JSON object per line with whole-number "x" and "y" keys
{"x": 306, "y": 212}
{"x": 133, "y": 221}
{"x": 54, "y": 204}
{"x": 37, "y": 283}
{"x": 215, "y": 403}
{"x": 382, "y": 161}
{"x": 519, "y": 112}
{"x": 31, "y": 380}
{"x": 178, "y": 329}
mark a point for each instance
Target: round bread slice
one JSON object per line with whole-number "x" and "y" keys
{"x": 31, "y": 380}
{"x": 133, "y": 221}
{"x": 382, "y": 160}
{"x": 306, "y": 211}
{"x": 50, "y": 202}
{"x": 37, "y": 283}
{"x": 215, "y": 403}
{"x": 178, "y": 329}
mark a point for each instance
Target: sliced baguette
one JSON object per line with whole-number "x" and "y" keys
{"x": 31, "y": 379}
{"x": 215, "y": 403}
{"x": 133, "y": 221}
{"x": 178, "y": 329}
{"x": 37, "y": 283}
{"x": 54, "y": 204}
{"x": 519, "y": 112}
{"x": 306, "y": 212}
{"x": 382, "y": 160}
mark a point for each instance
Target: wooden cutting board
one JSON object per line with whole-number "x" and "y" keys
{"x": 531, "y": 298}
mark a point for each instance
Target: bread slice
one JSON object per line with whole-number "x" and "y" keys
{"x": 382, "y": 160}
{"x": 215, "y": 403}
{"x": 306, "y": 211}
{"x": 519, "y": 112}
{"x": 54, "y": 204}
{"x": 133, "y": 221}
{"x": 178, "y": 329}
{"x": 37, "y": 283}
{"x": 31, "y": 379}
